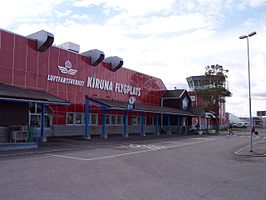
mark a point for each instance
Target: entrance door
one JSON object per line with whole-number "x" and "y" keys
{"x": 35, "y": 116}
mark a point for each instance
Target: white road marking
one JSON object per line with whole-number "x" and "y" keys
{"x": 238, "y": 151}
{"x": 143, "y": 146}
{"x": 200, "y": 138}
{"x": 126, "y": 154}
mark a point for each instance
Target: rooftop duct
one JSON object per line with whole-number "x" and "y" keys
{"x": 115, "y": 62}
{"x": 43, "y": 38}
{"x": 95, "y": 55}
{"x": 70, "y": 46}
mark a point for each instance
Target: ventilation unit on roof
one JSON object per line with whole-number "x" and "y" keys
{"x": 95, "y": 55}
{"x": 43, "y": 39}
{"x": 115, "y": 62}
{"x": 70, "y": 46}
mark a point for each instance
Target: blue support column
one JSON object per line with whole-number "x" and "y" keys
{"x": 157, "y": 132}
{"x": 125, "y": 121}
{"x": 44, "y": 139}
{"x": 179, "y": 124}
{"x": 35, "y": 133}
{"x": 104, "y": 133}
{"x": 199, "y": 127}
{"x": 169, "y": 125}
{"x": 142, "y": 124}
{"x": 86, "y": 131}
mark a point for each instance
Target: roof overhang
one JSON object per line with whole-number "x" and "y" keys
{"x": 138, "y": 107}
{"x": 34, "y": 101}
{"x": 17, "y": 94}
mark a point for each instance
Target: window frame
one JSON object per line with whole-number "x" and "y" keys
{"x": 75, "y": 114}
{"x": 35, "y": 112}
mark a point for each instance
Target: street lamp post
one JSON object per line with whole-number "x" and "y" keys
{"x": 249, "y": 93}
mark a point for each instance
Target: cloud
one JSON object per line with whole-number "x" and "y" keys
{"x": 256, "y": 3}
{"x": 14, "y": 11}
{"x": 167, "y": 39}
{"x": 132, "y": 8}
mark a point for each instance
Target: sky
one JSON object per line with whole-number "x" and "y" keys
{"x": 168, "y": 39}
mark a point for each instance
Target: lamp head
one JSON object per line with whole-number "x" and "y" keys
{"x": 243, "y": 37}
{"x": 252, "y": 33}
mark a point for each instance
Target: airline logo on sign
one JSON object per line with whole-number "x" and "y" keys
{"x": 67, "y": 69}
{"x": 95, "y": 83}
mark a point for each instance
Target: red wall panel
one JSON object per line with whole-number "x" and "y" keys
{"x": 20, "y": 56}
{"x": 6, "y": 50}
{"x": 31, "y": 68}
{"x": 6, "y": 75}
{"x": 32, "y": 57}
{"x": 19, "y": 78}
{"x": 43, "y": 62}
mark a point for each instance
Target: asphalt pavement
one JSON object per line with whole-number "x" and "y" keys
{"x": 166, "y": 167}
{"x": 58, "y": 144}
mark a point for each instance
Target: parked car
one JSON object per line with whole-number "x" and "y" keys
{"x": 240, "y": 125}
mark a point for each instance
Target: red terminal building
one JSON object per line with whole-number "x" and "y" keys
{"x": 57, "y": 91}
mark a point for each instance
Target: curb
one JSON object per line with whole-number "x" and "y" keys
{"x": 251, "y": 154}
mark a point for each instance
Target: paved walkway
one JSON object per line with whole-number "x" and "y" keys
{"x": 258, "y": 144}
{"x": 75, "y": 143}
{"x": 258, "y": 148}
{"x": 57, "y": 144}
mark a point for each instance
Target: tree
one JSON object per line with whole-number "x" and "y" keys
{"x": 213, "y": 89}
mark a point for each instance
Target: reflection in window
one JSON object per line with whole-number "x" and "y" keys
{"x": 79, "y": 118}
{"x": 70, "y": 118}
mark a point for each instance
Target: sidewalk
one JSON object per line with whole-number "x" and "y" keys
{"x": 57, "y": 144}
{"x": 75, "y": 143}
{"x": 259, "y": 148}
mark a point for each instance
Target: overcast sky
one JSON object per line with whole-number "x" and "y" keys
{"x": 168, "y": 39}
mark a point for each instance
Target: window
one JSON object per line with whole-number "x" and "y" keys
{"x": 79, "y": 118}
{"x": 135, "y": 120}
{"x": 93, "y": 119}
{"x": 35, "y": 115}
{"x": 113, "y": 119}
{"x": 119, "y": 119}
{"x": 35, "y": 120}
{"x": 185, "y": 103}
{"x": 70, "y": 118}
{"x": 74, "y": 118}
{"x": 153, "y": 121}
{"x": 107, "y": 119}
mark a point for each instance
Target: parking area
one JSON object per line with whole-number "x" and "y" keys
{"x": 64, "y": 144}
{"x": 127, "y": 149}
{"x": 164, "y": 167}
{"x": 135, "y": 142}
